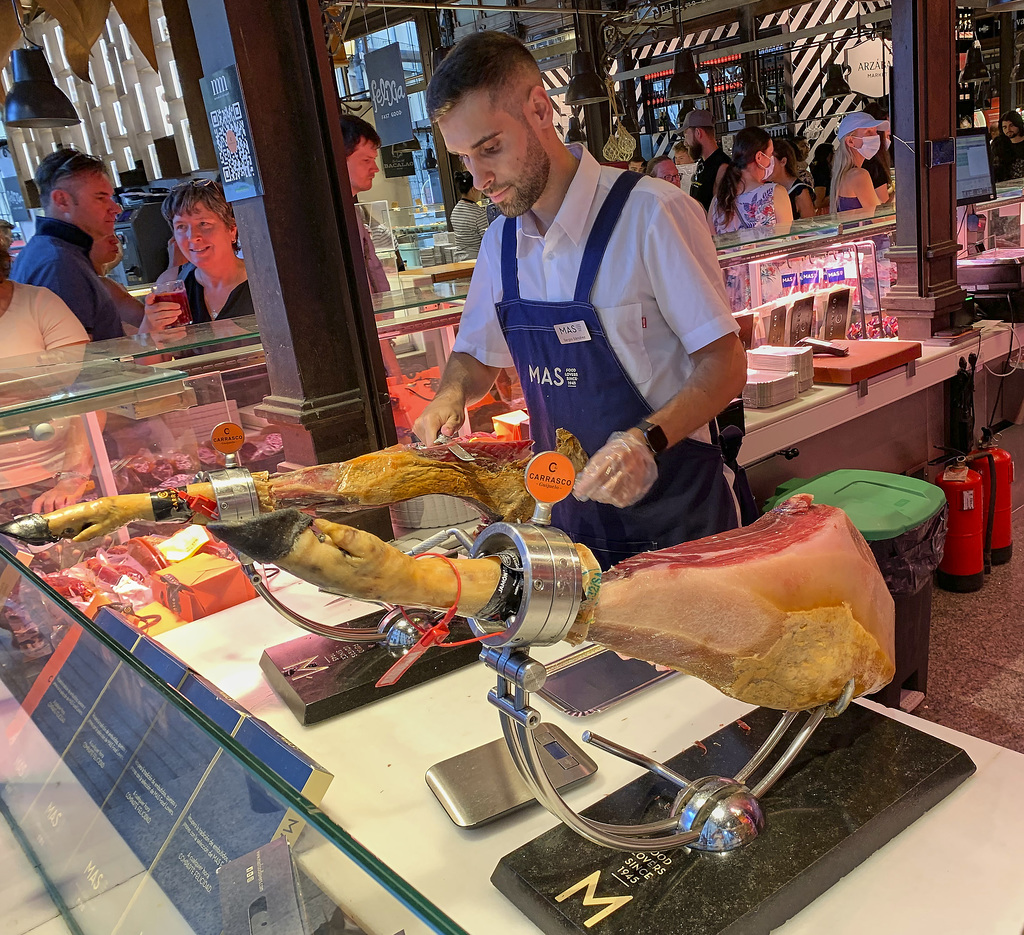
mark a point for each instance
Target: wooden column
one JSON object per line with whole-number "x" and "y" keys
{"x": 301, "y": 237}
{"x": 190, "y": 69}
{"x": 923, "y": 108}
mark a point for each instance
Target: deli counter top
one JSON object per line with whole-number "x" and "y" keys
{"x": 933, "y": 877}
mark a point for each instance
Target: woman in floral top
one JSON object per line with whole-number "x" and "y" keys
{"x": 745, "y": 198}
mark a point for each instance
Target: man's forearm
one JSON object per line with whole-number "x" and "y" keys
{"x": 465, "y": 379}
{"x": 718, "y": 377}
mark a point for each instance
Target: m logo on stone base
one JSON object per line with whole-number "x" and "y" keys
{"x": 590, "y": 898}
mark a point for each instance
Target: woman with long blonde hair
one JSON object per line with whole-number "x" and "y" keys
{"x": 857, "y": 139}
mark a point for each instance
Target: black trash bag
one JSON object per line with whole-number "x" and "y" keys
{"x": 908, "y": 562}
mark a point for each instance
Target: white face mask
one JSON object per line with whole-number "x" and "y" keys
{"x": 771, "y": 168}
{"x": 869, "y": 146}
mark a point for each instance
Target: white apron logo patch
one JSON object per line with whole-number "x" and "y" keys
{"x": 554, "y": 376}
{"x": 572, "y": 332}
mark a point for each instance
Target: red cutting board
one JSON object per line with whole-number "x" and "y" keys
{"x": 867, "y": 359}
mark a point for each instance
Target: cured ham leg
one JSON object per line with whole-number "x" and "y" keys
{"x": 493, "y": 482}
{"x": 781, "y": 613}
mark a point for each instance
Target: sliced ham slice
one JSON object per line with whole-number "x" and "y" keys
{"x": 780, "y": 613}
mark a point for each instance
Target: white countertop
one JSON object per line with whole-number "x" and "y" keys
{"x": 823, "y": 407}
{"x": 957, "y": 870}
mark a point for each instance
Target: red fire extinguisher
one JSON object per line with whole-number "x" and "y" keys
{"x": 963, "y": 561}
{"x": 995, "y": 465}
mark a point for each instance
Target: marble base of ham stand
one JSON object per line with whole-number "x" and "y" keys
{"x": 861, "y": 779}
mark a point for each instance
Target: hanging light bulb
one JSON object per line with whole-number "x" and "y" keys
{"x": 586, "y": 86}
{"x": 686, "y": 84}
{"x": 974, "y": 70}
{"x": 836, "y": 84}
{"x": 34, "y": 100}
{"x": 575, "y": 131}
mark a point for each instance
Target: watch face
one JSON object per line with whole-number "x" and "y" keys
{"x": 654, "y": 435}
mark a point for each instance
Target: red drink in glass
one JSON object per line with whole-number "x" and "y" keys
{"x": 174, "y": 291}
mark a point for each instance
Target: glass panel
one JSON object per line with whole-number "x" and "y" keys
{"x": 130, "y": 810}
{"x": 416, "y": 297}
{"x": 66, "y": 384}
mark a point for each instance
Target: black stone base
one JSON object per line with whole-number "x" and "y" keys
{"x": 859, "y": 782}
{"x": 960, "y": 584}
{"x": 318, "y": 677}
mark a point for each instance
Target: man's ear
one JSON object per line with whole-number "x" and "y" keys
{"x": 61, "y": 199}
{"x": 537, "y": 109}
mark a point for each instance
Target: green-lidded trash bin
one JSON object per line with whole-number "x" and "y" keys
{"x": 903, "y": 520}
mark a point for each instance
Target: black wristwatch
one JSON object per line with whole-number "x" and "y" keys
{"x": 654, "y": 435}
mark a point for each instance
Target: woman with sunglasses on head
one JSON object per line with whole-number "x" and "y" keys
{"x": 215, "y": 279}
{"x": 746, "y": 197}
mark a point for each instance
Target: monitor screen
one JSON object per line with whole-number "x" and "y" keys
{"x": 974, "y": 180}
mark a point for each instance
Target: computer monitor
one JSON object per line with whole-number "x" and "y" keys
{"x": 974, "y": 181}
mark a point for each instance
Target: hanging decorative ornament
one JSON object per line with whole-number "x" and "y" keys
{"x": 620, "y": 145}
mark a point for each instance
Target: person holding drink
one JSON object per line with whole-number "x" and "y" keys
{"x": 213, "y": 283}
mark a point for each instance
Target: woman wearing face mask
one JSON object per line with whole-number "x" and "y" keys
{"x": 745, "y": 197}
{"x": 857, "y": 139}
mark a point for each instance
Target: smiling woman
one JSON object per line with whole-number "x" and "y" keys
{"x": 206, "y": 234}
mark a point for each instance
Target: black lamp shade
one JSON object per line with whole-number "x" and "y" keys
{"x": 974, "y": 70}
{"x": 586, "y": 86}
{"x": 752, "y": 102}
{"x": 575, "y": 131}
{"x": 686, "y": 84}
{"x": 430, "y": 160}
{"x": 409, "y": 146}
{"x": 628, "y": 119}
{"x": 836, "y": 84}
{"x": 1017, "y": 73}
{"x": 34, "y": 101}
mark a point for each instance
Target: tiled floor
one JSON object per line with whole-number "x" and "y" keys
{"x": 976, "y": 658}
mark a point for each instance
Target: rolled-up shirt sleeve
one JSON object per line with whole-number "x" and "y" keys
{"x": 678, "y": 250}
{"x": 480, "y": 334}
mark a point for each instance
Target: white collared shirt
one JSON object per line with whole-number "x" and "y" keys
{"x": 659, "y": 292}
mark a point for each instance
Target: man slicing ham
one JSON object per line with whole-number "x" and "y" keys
{"x": 603, "y": 289}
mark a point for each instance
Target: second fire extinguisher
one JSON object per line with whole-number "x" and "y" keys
{"x": 995, "y": 465}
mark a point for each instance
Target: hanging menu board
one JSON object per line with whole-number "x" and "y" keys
{"x": 386, "y": 77}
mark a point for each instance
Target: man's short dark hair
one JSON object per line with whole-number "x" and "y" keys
{"x": 354, "y": 130}
{"x": 64, "y": 164}
{"x": 488, "y": 60}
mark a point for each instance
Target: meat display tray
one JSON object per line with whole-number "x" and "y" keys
{"x": 867, "y": 359}
{"x": 861, "y": 779}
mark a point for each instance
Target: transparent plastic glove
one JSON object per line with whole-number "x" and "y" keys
{"x": 619, "y": 474}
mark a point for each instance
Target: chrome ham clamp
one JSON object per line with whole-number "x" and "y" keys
{"x": 712, "y": 813}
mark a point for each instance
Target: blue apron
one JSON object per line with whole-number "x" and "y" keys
{"x": 582, "y": 386}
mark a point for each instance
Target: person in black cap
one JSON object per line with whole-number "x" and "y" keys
{"x": 699, "y": 135}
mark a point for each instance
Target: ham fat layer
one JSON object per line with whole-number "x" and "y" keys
{"x": 780, "y": 613}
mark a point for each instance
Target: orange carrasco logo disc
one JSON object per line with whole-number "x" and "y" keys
{"x": 549, "y": 477}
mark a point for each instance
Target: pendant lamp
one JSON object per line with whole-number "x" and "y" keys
{"x": 430, "y": 160}
{"x": 34, "y": 100}
{"x": 408, "y": 146}
{"x": 836, "y": 84}
{"x": 575, "y": 132}
{"x": 686, "y": 84}
{"x": 628, "y": 119}
{"x": 974, "y": 70}
{"x": 752, "y": 102}
{"x": 586, "y": 86}
{"x": 1017, "y": 74}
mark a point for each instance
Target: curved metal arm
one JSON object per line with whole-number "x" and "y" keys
{"x": 346, "y": 635}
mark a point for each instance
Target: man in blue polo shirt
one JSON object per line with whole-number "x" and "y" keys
{"x": 78, "y": 205}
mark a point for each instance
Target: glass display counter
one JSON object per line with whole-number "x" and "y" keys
{"x": 137, "y": 798}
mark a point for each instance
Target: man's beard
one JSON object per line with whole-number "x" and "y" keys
{"x": 695, "y": 151}
{"x": 522, "y": 194}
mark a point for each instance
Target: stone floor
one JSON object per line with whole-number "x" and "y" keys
{"x": 976, "y": 657}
